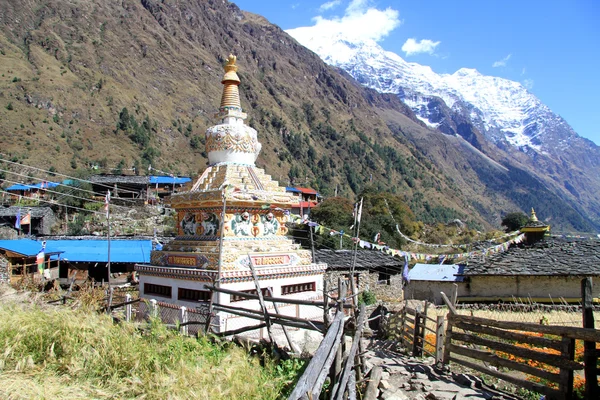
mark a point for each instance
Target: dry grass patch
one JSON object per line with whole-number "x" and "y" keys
{"x": 61, "y": 353}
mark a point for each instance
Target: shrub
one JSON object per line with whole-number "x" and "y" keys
{"x": 9, "y": 107}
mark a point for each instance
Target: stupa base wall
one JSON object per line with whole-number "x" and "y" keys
{"x": 188, "y": 287}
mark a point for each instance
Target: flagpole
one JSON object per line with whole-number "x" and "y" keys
{"x": 108, "y": 233}
{"x": 358, "y": 218}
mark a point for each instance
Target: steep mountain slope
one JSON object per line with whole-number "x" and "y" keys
{"x": 70, "y": 68}
{"x": 507, "y": 116}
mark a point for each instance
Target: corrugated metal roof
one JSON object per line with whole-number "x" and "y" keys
{"x": 435, "y": 272}
{"x": 307, "y": 190}
{"x": 26, "y": 247}
{"x": 169, "y": 179}
{"x": 19, "y": 186}
{"x": 125, "y": 251}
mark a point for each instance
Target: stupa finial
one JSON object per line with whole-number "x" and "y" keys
{"x": 230, "y": 100}
{"x": 533, "y": 217}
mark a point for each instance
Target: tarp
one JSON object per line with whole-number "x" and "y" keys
{"x": 292, "y": 189}
{"x": 169, "y": 180}
{"x": 436, "y": 272}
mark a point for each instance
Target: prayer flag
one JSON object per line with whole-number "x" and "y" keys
{"x": 40, "y": 258}
{"x": 18, "y": 221}
{"x": 26, "y": 220}
{"x": 359, "y": 215}
{"x": 405, "y": 271}
{"x": 107, "y": 202}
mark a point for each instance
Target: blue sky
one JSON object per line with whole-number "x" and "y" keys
{"x": 552, "y": 47}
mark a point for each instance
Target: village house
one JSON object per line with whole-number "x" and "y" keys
{"x": 374, "y": 271}
{"x": 541, "y": 269}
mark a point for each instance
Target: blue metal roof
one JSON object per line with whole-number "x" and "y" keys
{"x": 169, "y": 179}
{"x": 125, "y": 251}
{"x": 19, "y": 186}
{"x": 292, "y": 189}
{"x": 436, "y": 272}
{"x": 26, "y": 247}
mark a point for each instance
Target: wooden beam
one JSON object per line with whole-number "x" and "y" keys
{"x": 536, "y": 387}
{"x": 495, "y": 360}
{"x": 572, "y": 332}
{"x": 550, "y": 359}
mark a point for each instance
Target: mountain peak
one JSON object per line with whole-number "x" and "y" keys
{"x": 467, "y": 72}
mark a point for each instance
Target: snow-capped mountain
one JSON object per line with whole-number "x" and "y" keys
{"x": 503, "y": 110}
{"x": 498, "y": 117}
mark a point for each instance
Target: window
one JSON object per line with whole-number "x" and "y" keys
{"x": 298, "y": 288}
{"x": 157, "y": 290}
{"x": 235, "y": 297}
{"x": 193, "y": 295}
{"x": 384, "y": 278}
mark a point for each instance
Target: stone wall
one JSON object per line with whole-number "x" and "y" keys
{"x": 368, "y": 280}
{"x": 4, "y": 273}
{"x": 527, "y": 286}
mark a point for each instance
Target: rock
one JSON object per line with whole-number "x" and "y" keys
{"x": 420, "y": 376}
{"x": 464, "y": 380}
{"x": 384, "y": 384}
{"x": 439, "y": 395}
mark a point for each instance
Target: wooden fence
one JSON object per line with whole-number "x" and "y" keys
{"x": 544, "y": 352}
{"x": 413, "y": 329}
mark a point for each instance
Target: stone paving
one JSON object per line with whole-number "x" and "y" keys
{"x": 410, "y": 378}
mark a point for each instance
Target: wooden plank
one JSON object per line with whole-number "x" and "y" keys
{"x": 285, "y": 332}
{"x": 352, "y": 387}
{"x": 508, "y": 335}
{"x": 449, "y": 303}
{"x": 373, "y": 386}
{"x": 350, "y": 360}
{"x": 329, "y": 344}
{"x": 565, "y": 385}
{"x": 272, "y": 299}
{"x": 499, "y": 361}
{"x": 588, "y": 334}
{"x": 263, "y": 306}
{"x": 439, "y": 340}
{"x": 550, "y": 359}
{"x": 590, "y": 355}
{"x": 306, "y": 324}
{"x": 241, "y": 330}
{"x": 536, "y": 387}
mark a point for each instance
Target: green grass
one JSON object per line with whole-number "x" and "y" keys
{"x": 61, "y": 353}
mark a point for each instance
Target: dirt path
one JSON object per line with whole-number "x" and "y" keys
{"x": 409, "y": 378}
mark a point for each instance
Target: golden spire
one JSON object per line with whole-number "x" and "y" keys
{"x": 533, "y": 217}
{"x": 231, "y": 96}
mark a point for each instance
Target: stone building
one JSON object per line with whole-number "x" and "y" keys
{"x": 374, "y": 271}
{"x": 542, "y": 268}
{"x": 232, "y": 215}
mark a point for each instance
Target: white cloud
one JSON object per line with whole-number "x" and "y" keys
{"x": 528, "y": 83}
{"x": 502, "y": 63}
{"x": 411, "y": 46}
{"x": 523, "y": 71}
{"x": 329, "y": 5}
{"x": 360, "y": 21}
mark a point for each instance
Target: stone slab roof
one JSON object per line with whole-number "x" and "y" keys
{"x": 36, "y": 212}
{"x": 551, "y": 256}
{"x": 365, "y": 259}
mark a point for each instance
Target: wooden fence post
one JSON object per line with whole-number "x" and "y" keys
{"x": 128, "y": 308}
{"x": 417, "y": 351}
{"x": 590, "y": 357}
{"x": 183, "y": 317}
{"x": 566, "y": 375}
{"x": 153, "y": 308}
{"x": 439, "y": 340}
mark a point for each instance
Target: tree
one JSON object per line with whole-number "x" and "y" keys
{"x": 514, "y": 221}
